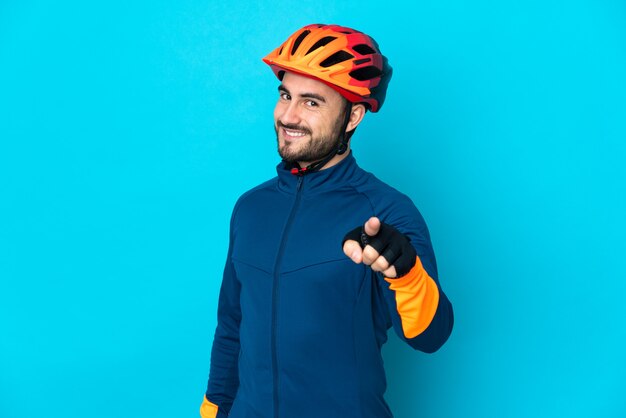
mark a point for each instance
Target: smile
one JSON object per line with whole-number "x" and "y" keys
{"x": 290, "y": 133}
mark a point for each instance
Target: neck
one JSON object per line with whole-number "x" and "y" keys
{"x": 333, "y": 161}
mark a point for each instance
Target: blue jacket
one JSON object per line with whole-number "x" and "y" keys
{"x": 301, "y": 326}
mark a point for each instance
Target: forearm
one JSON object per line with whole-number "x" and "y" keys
{"x": 224, "y": 371}
{"x": 223, "y": 377}
{"x": 422, "y": 312}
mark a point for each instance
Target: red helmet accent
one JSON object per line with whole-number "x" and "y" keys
{"x": 347, "y": 60}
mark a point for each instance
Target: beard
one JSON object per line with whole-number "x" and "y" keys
{"x": 316, "y": 149}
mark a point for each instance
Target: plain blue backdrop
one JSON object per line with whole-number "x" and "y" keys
{"x": 129, "y": 129}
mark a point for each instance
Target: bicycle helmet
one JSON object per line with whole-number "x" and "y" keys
{"x": 345, "y": 59}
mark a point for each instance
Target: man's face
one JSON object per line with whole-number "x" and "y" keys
{"x": 308, "y": 119}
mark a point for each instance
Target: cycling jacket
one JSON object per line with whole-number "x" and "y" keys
{"x": 300, "y": 325}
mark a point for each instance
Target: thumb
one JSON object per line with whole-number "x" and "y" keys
{"x": 372, "y": 226}
{"x": 353, "y": 250}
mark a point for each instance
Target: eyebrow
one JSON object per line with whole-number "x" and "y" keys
{"x": 282, "y": 88}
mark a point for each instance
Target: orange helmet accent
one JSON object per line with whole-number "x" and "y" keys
{"x": 347, "y": 60}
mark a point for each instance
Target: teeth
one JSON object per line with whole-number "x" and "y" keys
{"x": 294, "y": 133}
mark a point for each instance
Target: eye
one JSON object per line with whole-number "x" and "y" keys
{"x": 285, "y": 96}
{"x": 311, "y": 103}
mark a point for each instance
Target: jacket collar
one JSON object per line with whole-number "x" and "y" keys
{"x": 320, "y": 181}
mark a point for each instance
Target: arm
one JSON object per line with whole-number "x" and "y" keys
{"x": 420, "y": 311}
{"x": 402, "y": 253}
{"x": 224, "y": 372}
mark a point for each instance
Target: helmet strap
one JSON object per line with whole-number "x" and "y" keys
{"x": 343, "y": 145}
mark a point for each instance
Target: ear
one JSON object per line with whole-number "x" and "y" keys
{"x": 356, "y": 116}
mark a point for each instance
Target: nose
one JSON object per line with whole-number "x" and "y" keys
{"x": 288, "y": 113}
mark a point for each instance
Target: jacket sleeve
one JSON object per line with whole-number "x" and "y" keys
{"x": 420, "y": 311}
{"x": 224, "y": 372}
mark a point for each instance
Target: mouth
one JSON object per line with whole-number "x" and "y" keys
{"x": 292, "y": 133}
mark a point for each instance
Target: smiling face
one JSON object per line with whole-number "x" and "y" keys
{"x": 308, "y": 119}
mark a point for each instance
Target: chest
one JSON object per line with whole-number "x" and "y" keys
{"x": 283, "y": 233}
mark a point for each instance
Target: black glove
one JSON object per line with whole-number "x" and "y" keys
{"x": 389, "y": 243}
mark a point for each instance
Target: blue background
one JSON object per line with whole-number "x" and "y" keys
{"x": 129, "y": 129}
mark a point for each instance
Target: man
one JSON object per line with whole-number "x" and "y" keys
{"x": 324, "y": 258}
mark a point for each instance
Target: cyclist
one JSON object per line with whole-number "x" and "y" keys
{"x": 324, "y": 258}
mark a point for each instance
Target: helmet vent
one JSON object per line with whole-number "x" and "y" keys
{"x": 321, "y": 43}
{"x": 336, "y": 58}
{"x": 363, "y": 49}
{"x": 366, "y": 73}
{"x": 299, "y": 40}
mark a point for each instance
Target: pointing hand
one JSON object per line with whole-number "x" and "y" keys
{"x": 380, "y": 246}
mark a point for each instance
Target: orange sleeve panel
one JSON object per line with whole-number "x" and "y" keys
{"x": 417, "y": 297}
{"x": 208, "y": 409}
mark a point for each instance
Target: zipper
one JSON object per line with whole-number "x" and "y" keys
{"x": 275, "y": 289}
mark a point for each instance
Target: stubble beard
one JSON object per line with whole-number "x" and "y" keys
{"x": 315, "y": 149}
